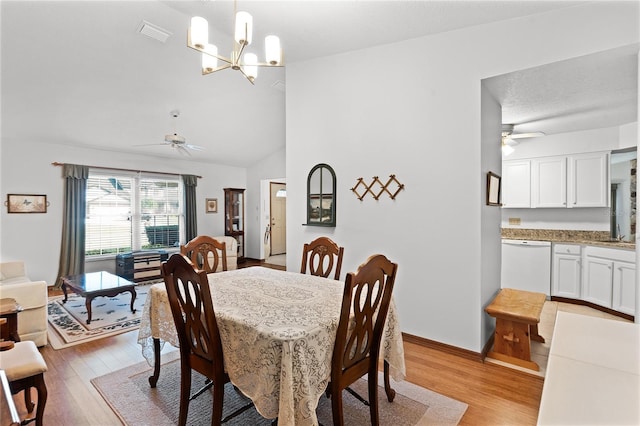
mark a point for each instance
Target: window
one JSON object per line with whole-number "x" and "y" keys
{"x": 128, "y": 212}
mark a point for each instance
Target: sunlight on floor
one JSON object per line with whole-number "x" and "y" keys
{"x": 279, "y": 259}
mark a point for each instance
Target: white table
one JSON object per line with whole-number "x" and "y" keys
{"x": 277, "y": 330}
{"x": 593, "y": 373}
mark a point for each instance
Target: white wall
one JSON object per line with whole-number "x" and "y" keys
{"x": 35, "y": 238}
{"x": 413, "y": 109}
{"x": 272, "y": 167}
{"x": 490, "y": 240}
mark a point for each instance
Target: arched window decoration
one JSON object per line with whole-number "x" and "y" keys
{"x": 321, "y": 196}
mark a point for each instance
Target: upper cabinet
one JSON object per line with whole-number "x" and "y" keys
{"x": 549, "y": 182}
{"x": 516, "y": 184}
{"x": 588, "y": 180}
{"x": 571, "y": 181}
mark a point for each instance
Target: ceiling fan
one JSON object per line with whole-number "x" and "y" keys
{"x": 176, "y": 141}
{"x": 510, "y": 139}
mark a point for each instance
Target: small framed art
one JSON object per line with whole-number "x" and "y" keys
{"x": 26, "y": 203}
{"x": 493, "y": 189}
{"x": 212, "y": 205}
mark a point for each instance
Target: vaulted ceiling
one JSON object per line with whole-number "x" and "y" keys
{"x": 80, "y": 73}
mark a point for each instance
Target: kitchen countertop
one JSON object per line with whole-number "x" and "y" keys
{"x": 593, "y": 238}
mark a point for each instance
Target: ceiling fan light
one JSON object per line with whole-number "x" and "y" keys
{"x": 273, "y": 54}
{"x": 199, "y": 32}
{"x": 209, "y": 59}
{"x": 244, "y": 28}
{"x": 507, "y": 150}
{"x": 250, "y": 68}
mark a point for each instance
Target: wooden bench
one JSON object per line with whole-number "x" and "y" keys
{"x": 517, "y": 314}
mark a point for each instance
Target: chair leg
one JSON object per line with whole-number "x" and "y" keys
{"x": 218, "y": 401}
{"x": 373, "y": 397}
{"x": 41, "y": 387}
{"x": 28, "y": 401}
{"x": 185, "y": 390}
{"x": 336, "y": 407}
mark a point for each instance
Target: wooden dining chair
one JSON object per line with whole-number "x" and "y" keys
{"x": 365, "y": 304}
{"x": 206, "y": 253}
{"x": 200, "y": 346}
{"x": 322, "y": 256}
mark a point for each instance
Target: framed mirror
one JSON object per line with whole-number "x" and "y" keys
{"x": 321, "y": 196}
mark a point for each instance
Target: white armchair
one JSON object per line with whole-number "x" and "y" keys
{"x": 232, "y": 251}
{"x": 31, "y": 296}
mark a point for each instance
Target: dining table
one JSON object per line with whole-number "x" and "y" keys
{"x": 277, "y": 330}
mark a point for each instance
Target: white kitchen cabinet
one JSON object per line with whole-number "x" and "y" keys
{"x": 609, "y": 278}
{"x": 567, "y": 267}
{"x": 588, "y": 180}
{"x": 598, "y": 281}
{"x": 549, "y": 182}
{"x": 516, "y": 184}
{"x": 566, "y": 181}
{"x": 624, "y": 287}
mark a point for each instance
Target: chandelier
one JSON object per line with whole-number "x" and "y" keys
{"x": 245, "y": 62}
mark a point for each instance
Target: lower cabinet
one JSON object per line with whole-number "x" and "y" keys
{"x": 566, "y": 271}
{"x": 603, "y": 276}
{"x": 624, "y": 287}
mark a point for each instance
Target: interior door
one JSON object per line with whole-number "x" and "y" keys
{"x": 278, "y": 218}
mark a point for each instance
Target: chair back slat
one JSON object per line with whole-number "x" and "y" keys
{"x": 192, "y": 309}
{"x": 321, "y": 257}
{"x": 365, "y": 304}
{"x": 206, "y": 253}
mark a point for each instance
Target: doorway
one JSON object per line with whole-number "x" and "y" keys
{"x": 278, "y": 222}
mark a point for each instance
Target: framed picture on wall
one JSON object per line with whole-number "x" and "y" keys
{"x": 26, "y": 203}
{"x": 493, "y": 189}
{"x": 211, "y": 205}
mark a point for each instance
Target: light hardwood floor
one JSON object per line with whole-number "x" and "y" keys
{"x": 496, "y": 395}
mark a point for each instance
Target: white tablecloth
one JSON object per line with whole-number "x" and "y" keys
{"x": 277, "y": 330}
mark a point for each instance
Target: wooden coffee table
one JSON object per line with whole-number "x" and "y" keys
{"x": 94, "y": 284}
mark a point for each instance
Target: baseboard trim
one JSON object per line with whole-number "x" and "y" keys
{"x": 443, "y": 347}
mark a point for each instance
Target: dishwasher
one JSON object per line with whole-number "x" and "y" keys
{"x": 526, "y": 265}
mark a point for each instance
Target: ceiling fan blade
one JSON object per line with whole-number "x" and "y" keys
{"x": 194, "y": 147}
{"x": 153, "y": 144}
{"x": 181, "y": 149}
{"x": 526, "y": 135}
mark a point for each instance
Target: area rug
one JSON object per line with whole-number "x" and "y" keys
{"x": 128, "y": 393}
{"x": 109, "y": 316}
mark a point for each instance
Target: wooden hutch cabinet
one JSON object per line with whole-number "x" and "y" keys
{"x": 234, "y": 217}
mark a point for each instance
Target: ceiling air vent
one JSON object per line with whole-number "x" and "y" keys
{"x": 153, "y": 31}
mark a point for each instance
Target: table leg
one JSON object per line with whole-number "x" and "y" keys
{"x": 87, "y": 303}
{"x": 533, "y": 333}
{"x": 133, "y": 299}
{"x": 391, "y": 393}
{"x": 153, "y": 380}
{"x": 64, "y": 290}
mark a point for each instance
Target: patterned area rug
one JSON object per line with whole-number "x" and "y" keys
{"x": 128, "y": 393}
{"x": 109, "y": 316}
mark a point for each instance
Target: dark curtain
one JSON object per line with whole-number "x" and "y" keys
{"x": 190, "y": 210}
{"x": 73, "y": 221}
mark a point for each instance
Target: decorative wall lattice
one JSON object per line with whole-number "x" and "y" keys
{"x": 392, "y": 185}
